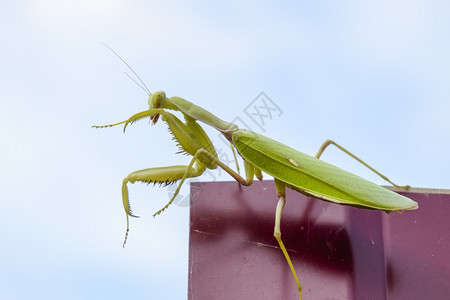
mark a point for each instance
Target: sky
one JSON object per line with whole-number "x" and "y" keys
{"x": 372, "y": 75}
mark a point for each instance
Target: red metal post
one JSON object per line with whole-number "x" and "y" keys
{"x": 338, "y": 252}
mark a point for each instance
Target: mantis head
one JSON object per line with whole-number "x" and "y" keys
{"x": 156, "y": 100}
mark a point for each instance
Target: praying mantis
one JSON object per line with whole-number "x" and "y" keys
{"x": 289, "y": 168}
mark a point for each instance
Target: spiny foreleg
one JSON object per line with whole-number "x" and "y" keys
{"x": 136, "y": 117}
{"x": 161, "y": 175}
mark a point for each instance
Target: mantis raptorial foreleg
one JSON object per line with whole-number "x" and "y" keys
{"x": 136, "y": 117}
{"x": 330, "y": 142}
{"x": 161, "y": 175}
{"x": 191, "y": 138}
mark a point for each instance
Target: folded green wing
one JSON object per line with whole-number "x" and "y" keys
{"x": 315, "y": 177}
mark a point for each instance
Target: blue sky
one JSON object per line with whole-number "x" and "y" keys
{"x": 374, "y": 76}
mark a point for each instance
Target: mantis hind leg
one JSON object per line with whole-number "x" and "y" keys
{"x": 280, "y": 186}
{"x": 252, "y": 171}
{"x": 330, "y": 142}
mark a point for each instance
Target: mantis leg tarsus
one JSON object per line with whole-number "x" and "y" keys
{"x": 126, "y": 206}
{"x": 110, "y": 125}
{"x": 330, "y": 142}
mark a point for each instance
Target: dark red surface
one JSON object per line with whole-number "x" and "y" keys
{"x": 338, "y": 252}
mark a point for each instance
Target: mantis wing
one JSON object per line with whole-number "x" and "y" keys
{"x": 314, "y": 177}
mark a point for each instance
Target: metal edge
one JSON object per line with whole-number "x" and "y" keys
{"x": 418, "y": 190}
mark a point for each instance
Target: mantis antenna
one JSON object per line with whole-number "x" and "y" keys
{"x": 138, "y": 84}
{"x": 143, "y": 86}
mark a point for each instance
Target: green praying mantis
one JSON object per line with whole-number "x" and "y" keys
{"x": 290, "y": 168}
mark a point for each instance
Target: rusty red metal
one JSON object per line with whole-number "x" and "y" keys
{"x": 338, "y": 252}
